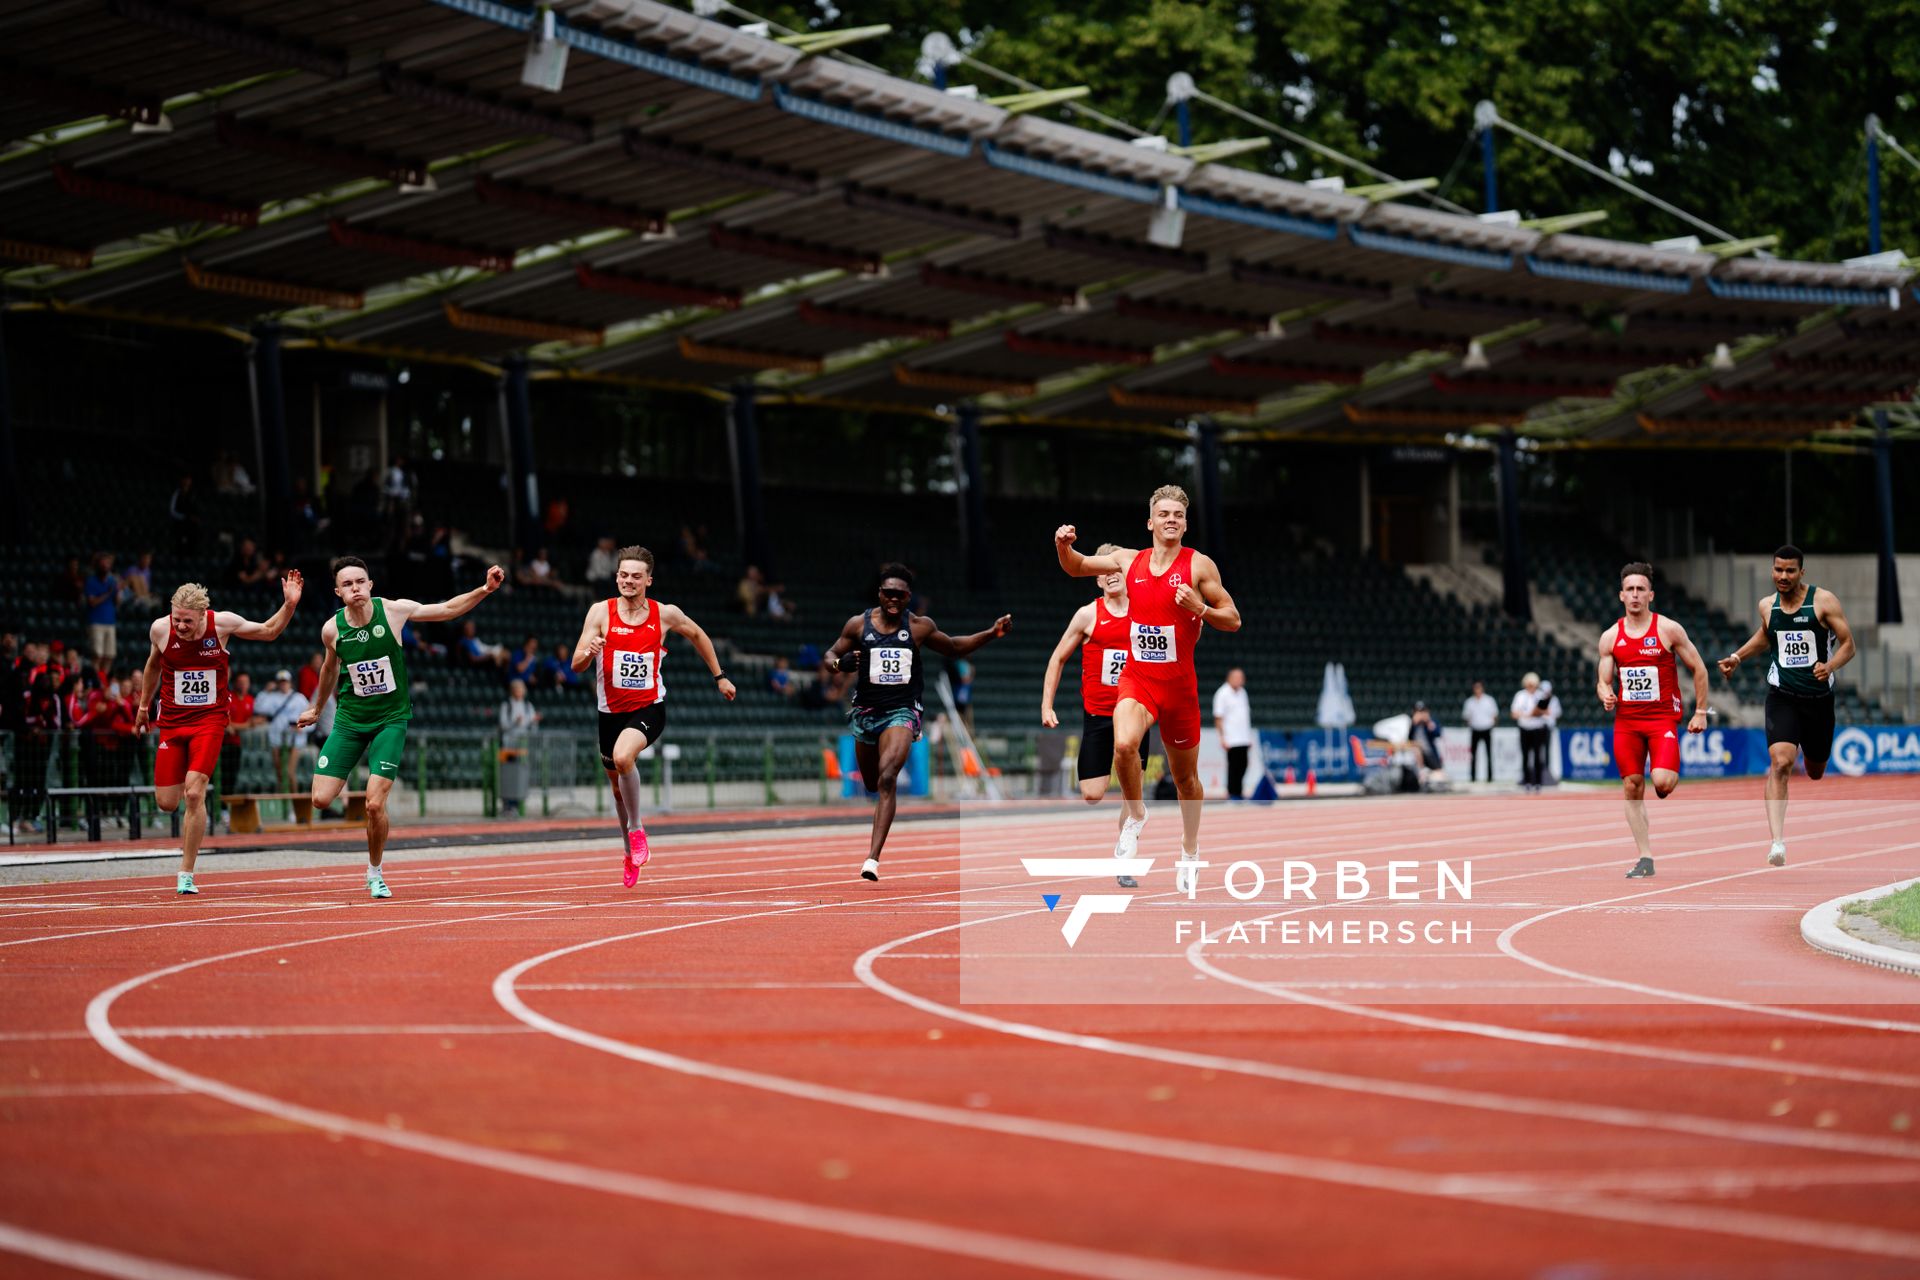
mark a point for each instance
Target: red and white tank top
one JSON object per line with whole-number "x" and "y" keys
{"x": 1160, "y": 634}
{"x": 1103, "y": 656}
{"x": 193, "y": 681}
{"x": 1649, "y": 683}
{"x": 628, "y": 677}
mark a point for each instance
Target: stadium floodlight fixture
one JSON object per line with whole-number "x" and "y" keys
{"x": 1476, "y": 357}
{"x": 545, "y": 66}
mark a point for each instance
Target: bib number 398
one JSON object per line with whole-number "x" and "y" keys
{"x": 1796, "y": 648}
{"x": 1154, "y": 644}
{"x": 372, "y": 678}
{"x": 193, "y": 688}
{"x": 1639, "y": 684}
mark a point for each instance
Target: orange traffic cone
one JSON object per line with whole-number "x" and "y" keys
{"x": 1289, "y": 776}
{"x": 1312, "y": 782}
{"x": 830, "y": 762}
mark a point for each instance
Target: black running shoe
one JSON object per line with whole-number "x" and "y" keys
{"x": 1642, "y": 870}
{"x": 1126, "y": 882}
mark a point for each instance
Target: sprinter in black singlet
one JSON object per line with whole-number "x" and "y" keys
{"x": 883, "y": 645}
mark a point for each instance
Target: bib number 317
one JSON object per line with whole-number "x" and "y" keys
{"x": 1154, "y": 644}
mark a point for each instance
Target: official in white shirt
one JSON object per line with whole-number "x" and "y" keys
{"x": 1530, "y": 710}
{"x": 1233, "y": 720}
{"x": 1481, "y": 713}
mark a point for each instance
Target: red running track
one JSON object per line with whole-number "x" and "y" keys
{"x": 756, "y": 1064}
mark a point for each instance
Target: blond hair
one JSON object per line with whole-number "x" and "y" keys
{"x": 1173, "y": 491}
{"x": 1108, "y": 548}
{"x": 192, "y": 595}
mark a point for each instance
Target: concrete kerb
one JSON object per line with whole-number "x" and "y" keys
{"x": 1821, "y": 929}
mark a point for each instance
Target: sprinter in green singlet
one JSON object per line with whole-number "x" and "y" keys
{"x": 1807, "y": 630}
{"x": 363, "y": 641}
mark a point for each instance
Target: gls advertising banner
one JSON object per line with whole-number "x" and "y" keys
{"x": 1587, "y": 754}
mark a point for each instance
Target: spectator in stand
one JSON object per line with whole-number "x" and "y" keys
{"x": 102, "y": 593}
{"x": 780, "y": 679}
{"x": 1481, "y": 713}
{"x": 114, "y": 729}
{"x": 693, "y": 551}
{"x": 248, "y": 568}
{"x": 557, "y": 672}
{"x": 525, "y": 662}
{"x": 307, "y": 523}
{"x": 42, "y": 719}
{"x": 398, "y": 491}
{"x": 309, "y": 677}
{"x": 183, "y": 517}
{"x": 751, "y": 590}
{"x": 535, "y": 572}
{"x": 601, "y": 566}
{"x": 10, "y": 684}
{"x": 1529, "y": 710}
{"x": 1233, "y": 721}
{"x": 1424, "y": 734}
{"x": 277, "y": 707}
{"x": 136, "y": 584}
{"x": 778, "y": 606}
{"x": 829, "y": 687}
{"x": 240, "y": 716}
{"x": 70, "y": 583}
{"x": 470, "y": 651}
{"x": 518, "y": 721}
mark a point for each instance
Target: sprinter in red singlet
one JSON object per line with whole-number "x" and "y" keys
{"x": 1171, "y": 591}
{"x": 187, "y": 662}
{"x": 1099, "y": 630}
{"x": 625, "y": 642}
{"x": 1640, "y": 652}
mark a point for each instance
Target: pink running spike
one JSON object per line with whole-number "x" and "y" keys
{"x": 636, "y": 858}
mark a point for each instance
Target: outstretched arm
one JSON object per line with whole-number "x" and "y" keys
{"x": 1603, "y": 685}
{"x": 232, "y": 624}
{"x": 842, "y": 649}
{"x": 1086, "y": 566}
{"x": 446, "y": 610}
{"x": 674, "y": 619}
{"x": 150, "y": 678}
{"x": 960, "y": 646}
{"x": 1758, "y": 642}
{"x": 1826, "y": 607}
{"x": 593, "y": 638}
{"x": 1072, "y": 638}
{"x": 1683, "y": 651}
{"x": 329, "y": 677}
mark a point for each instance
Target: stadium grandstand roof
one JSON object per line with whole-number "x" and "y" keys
{"x": 697, "y": 206}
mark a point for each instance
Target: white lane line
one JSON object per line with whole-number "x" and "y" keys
{"x": 267, "y": 1032}
{"x": 96, "y": 1259}
{"x": 168, "y": 924}
{"x": 689, "y": 986}
{"x": 1409, "y": 1091}
{"x": 878, "y": 1228}
{"x": 1345, "y": 1173}
{"x": 135, "y": 1089}
{"x": 1559, "y": 1040}
{"x": 1507, "y": 945}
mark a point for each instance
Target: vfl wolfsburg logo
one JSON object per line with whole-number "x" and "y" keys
{"x": 379, "y": 632}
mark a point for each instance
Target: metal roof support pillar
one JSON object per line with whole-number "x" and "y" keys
{"x": 973, "y": 500}
{"x": 1873, "y": 184}
{"x": 1513, "y": 553}
{"x": 516, "y": 415}
{"x": 1206, "y": 463}
{"x": 270, "y": 434}
{"x": 1484, "y": 115}
{"x": 1888, "y": 612}
{"x": 749, "y": 501}
{"x": 13, "y": 520}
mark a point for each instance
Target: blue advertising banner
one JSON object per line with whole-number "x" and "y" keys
{"x": 1880, "y": 749}
{"x": 1325, "y": 751}
{"x": 1586, "y": 755}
